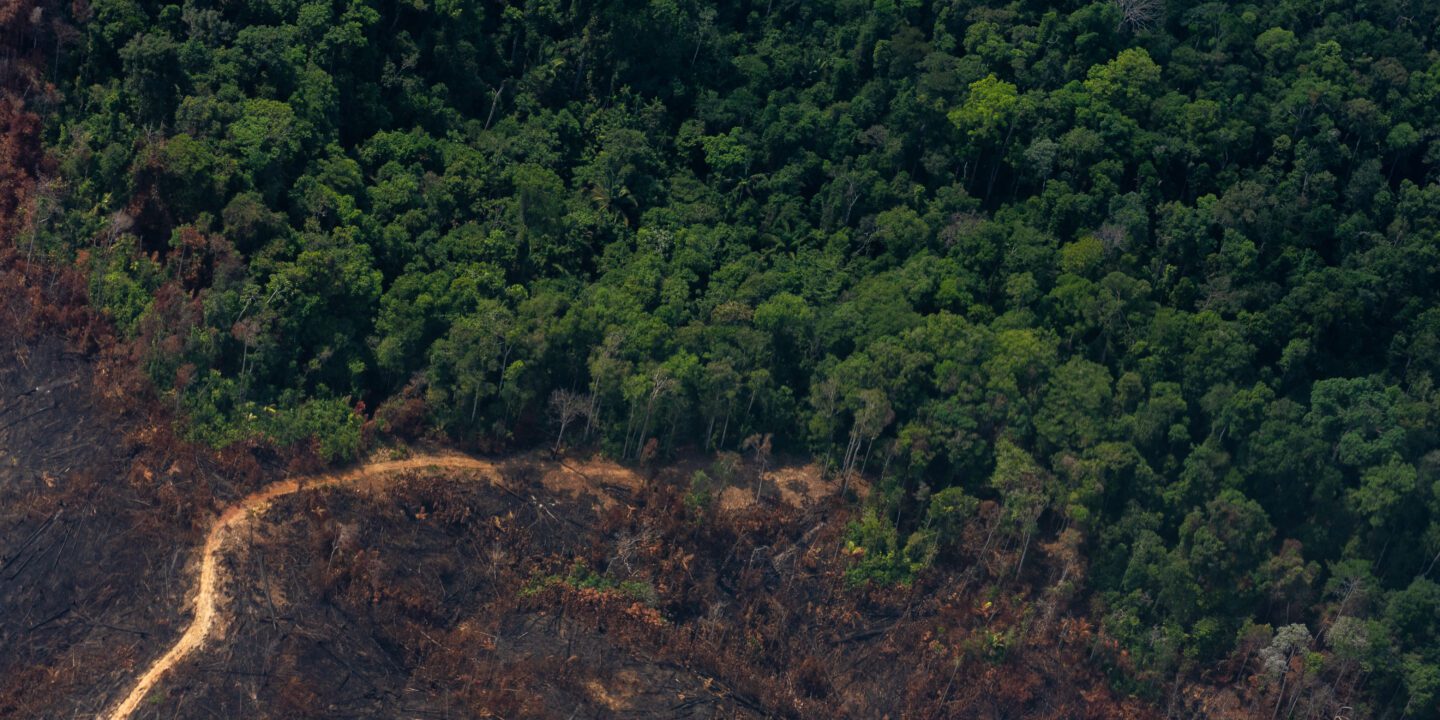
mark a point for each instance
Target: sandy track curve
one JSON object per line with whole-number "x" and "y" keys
{"x": 207, "y": 595}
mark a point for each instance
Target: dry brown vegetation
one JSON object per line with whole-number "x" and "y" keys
{"x": 453, "y": 599}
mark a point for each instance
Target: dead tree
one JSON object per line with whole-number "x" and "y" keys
{"x": 1137, "y": 15}
{"x": 567, "y": 406}
{"x": 760, "y": 445}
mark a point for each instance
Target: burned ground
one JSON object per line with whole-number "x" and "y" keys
{"x": 93, "y": 567}
{"x": 441, "y": 596}
{"x": 571, "y": 589}
{"x": 101, "y": 505}
{"x": 419, "y": 602}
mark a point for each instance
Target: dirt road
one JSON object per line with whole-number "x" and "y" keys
{"x": 796, "y": 486}
{"x": 208, "y": 592}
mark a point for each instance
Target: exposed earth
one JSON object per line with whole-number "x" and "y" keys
{"x": 145, "y": 577}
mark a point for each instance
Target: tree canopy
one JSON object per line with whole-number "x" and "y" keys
{"x": 1161, "y": 275}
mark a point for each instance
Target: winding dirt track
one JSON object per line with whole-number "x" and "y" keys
{"x": 208, "y": 594}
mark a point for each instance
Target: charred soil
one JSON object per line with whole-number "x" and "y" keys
{"x": 521, "y": 588}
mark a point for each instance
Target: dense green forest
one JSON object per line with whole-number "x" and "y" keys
{"x": 1159, "y": 279}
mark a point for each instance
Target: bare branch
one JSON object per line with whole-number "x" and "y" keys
{"x": 1137, "y": 15}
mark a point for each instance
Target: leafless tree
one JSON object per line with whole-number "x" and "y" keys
{"x": 1137, "y": 15}
{"x": 567, "y": 406}
{"x": 661, "y": 383}
{"x": 760, "y": 445}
